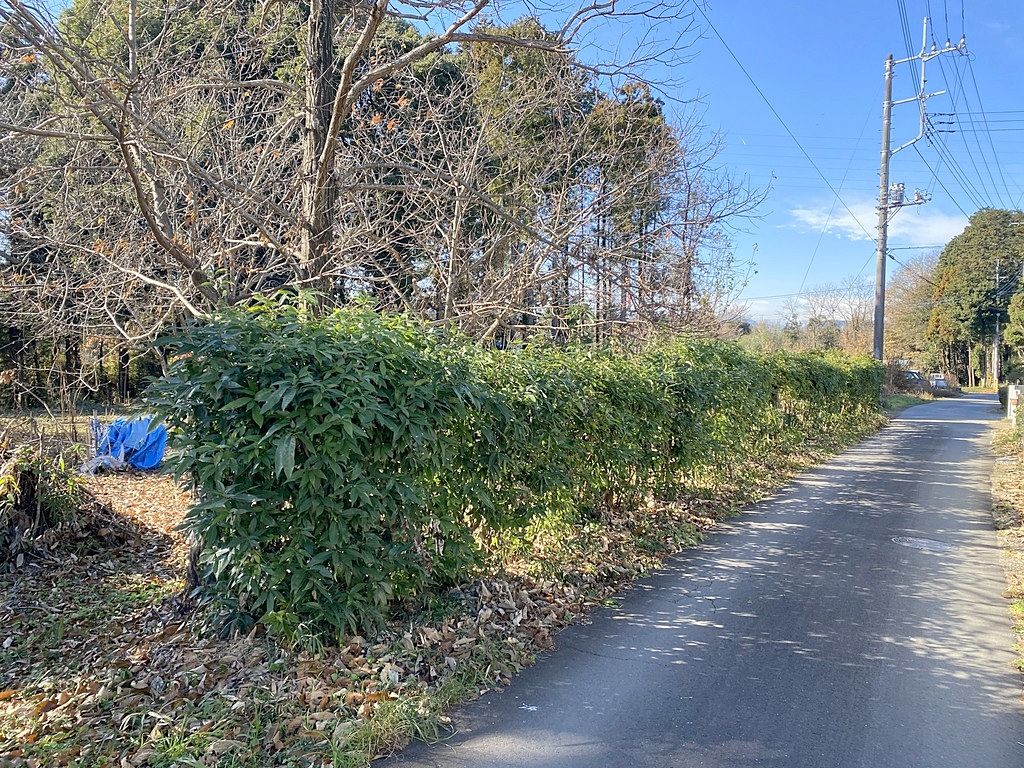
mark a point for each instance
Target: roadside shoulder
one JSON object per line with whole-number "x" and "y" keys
{"x": 1008, "y": 519}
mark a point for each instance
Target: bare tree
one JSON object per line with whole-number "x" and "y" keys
{"x": 200, "y": 105}
{"x": 163, "y": 159}
{"x": 829, "y": 316}
{"x": 841, "y": 315}
{"x": 908, "y": 309}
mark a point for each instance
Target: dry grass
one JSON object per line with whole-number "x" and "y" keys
{"x": 1008, "y": 514}
{"x": 60, "y": 427}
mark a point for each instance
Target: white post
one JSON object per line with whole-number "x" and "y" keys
{"x": 1013, "y": 393}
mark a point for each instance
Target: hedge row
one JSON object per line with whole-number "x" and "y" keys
{"x": 349, "y": 461}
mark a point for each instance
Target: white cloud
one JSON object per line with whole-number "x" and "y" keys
{"x": 918, "y": 225}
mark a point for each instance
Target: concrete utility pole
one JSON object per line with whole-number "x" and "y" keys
{"x": 891, "y": 197}
{"x": 883, "y": 214}
{"x": 996, "y": 356}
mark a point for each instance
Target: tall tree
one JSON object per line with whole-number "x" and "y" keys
{"x": 229, "y": 148}
{"x": 909, "y": 303}
{"x": 173, "y": 158}
{"x": 977, "y": 273}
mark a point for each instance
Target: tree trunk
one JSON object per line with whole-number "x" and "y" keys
{"x": 72, "y": 368}
{"x": 37, "y": 367}
{"x": 626, "y": 281}
{"x": 17, "y": 346}
{"x": 318, "y": 200}
{"x": 996, "y": 357}
{"x": 123, "y": 383}
{"x": 98, "y": 374}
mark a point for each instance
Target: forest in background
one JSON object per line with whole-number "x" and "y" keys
{"x": 485, "y": 178}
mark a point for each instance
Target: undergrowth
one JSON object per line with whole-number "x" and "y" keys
{"x": 151, "y": 690}
{"x": 393, "y": 522}
{"x": 1008, "y": 517}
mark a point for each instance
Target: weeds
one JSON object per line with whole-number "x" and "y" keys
{"x": 1008, "y": 518}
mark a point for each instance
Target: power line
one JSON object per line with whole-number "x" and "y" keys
{"x": 995, "y": 196}
{"x": 971, "y": 118}
{"x": 963, "y": 135}
{"x": 901, "y": 6}
{"x": 978, "y": 118}
{"x": 998, "y": 293}
{"x": 946, "y": 155}
{"x": 915, "y": 269}
{"x": 992, "y": 146}
{"x": 828, "y": 219}
{"x": 819, "y": 291}
{"x": 813, "y": 292}
{"x": 993, "y": 112}
{"x": 778, "y": 117}
{"x": 940, "y": 182}
{"x": 977, "y": 198}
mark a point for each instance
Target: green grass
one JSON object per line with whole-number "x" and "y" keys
{"x": 899, "y": 401}
{"x": 74, "y": 610}
{"x": 344, "y": 743}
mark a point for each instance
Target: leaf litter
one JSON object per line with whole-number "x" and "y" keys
{"x": 1008, "y": 517}
{"x": 101, "y": 663}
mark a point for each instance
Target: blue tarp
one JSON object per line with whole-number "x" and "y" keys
{"x": 135, "y": 442}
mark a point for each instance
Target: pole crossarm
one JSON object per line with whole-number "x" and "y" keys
{"x": 922, "y": 95}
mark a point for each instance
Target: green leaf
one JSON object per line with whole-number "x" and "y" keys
{"x": 284, "y": 456}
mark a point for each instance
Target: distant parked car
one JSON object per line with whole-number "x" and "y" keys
{"x": 938, "y": 381}
{"x": 913, "y": 381}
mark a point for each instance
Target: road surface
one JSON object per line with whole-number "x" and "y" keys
{"x": 800, "y": 636}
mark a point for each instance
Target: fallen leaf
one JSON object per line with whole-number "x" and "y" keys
{"x": 222, "y": 746}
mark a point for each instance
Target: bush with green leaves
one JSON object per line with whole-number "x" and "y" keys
{"x": 39, "y": 491}
{"x": 347, "y": 462}
{"x": 316, "y": 445}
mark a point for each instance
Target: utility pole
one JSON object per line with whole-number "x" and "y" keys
{"x": 995, "y": 342}
{"x": 891, "y": 196}
{"x": 883, "y": 214}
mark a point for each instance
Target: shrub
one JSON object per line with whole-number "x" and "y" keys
{"x": 346, "y": 462}
{"x": 38, "y": 493}
{"x": 567, "y": 429}
{"x": 315, "y": 444}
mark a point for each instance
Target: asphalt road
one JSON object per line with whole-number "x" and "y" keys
{"x": 801, "y": 636}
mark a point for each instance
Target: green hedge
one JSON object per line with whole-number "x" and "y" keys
{"x": 349, "y": 461}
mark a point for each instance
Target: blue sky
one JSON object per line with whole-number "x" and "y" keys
{"x": 821, "y": 65}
